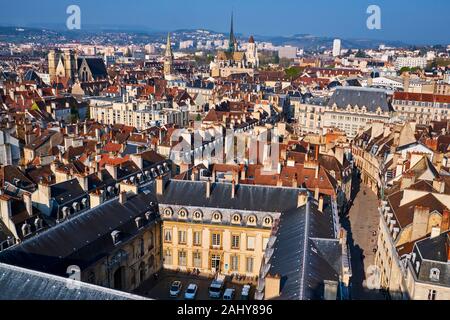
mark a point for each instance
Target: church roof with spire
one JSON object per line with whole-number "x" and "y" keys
{"x": 251, "y": 40}
{"x": 233, "y": 41}
{"x": 169, "y": 47}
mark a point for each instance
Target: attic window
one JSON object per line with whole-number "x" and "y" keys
{"x": 182, "y": 213}
{"x": 26, "y": 229}
{"x": 434, "y": 274}
{"x": 139, "y": 222}
{"x": 115, "y": 236}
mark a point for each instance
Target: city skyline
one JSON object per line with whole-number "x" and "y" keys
{"x": 323, "y": 18}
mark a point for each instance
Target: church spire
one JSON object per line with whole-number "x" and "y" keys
{"x": 169, "y": 47}
{"x": 168, "y": 58}
{"x": 233, "y": 43}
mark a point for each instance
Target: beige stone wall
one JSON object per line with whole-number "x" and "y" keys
{"x": 149, "y": 262}
{"x": 206, "y": 249}
{"x": 421, "y": 291}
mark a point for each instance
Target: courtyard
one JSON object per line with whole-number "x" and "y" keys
{"x": 158, "y": 288}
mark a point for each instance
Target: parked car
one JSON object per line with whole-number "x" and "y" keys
{"x": 245, "y": 293}
{"x": 229, "y": 294}
{"x": 175, "y": 289}
{"x": 216, "y": 288}
{"x": 191, "y": 292}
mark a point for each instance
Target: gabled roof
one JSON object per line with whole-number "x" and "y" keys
{"x": 305, "y": 252}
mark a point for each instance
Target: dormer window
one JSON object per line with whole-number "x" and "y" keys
{"x": 434, "y": 274}
{"x": 139, "y": 222}
{"x": 84, "y": 202}
{"x": 115, "y": 235}
{"x": 182, "y": 213}
{"x": 268, "y": 221}
{"x": 217, "y": 217}
{"x": 236, "y": 219}
{"x": 26, "y": 229}
{"x": 168, "y": 212}
{"x": 66, "y": 212}
{"x": 198, "y": 215}
{"x": 76, "y": 206}
{"x": 251, "y": 220}
{"x": 38, "y": 223}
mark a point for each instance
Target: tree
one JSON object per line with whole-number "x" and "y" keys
{"x": 292, "y": 72}
{"x": 405, "y": 69}
{"x": 198, "y": 117}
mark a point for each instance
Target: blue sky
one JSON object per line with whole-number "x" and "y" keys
{"x": 411, "y": 21}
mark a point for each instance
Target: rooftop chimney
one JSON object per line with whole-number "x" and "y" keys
{"x": 321, "y": 204}
{"x": 316, "y": 193}
{"x": 208, "y": 188}
{"x": 123, "y": 197}
{"x": 420, "y": 222}
{"x": 339, "y": 154}
{"x": 159, "y": 186}
{"x": 439, "y": 185}
{"x": 330, "y": 289}
{"x": 272, "y": 286}
{"x": 435, "y": 232}
{"x": 233, "y": 189}
{"x": 407, "y": 181}
{"x": 302, "y": 198}
{"x": 445, "y": 223}
{"x": 295, "y": 182}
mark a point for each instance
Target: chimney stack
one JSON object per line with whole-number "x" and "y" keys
{"x": 420, "y": 222}
{"x": 272, "y": 286}
{"x": 122, "y": 197}
{"x": 439, "y": 185}
{"x": 233, "y": 189}
{"x": 208, "y": 189}
{"x": 159, "y": 186}
{"x": 445, "y": 223}
{"x": 302, "y": 198}
{"x": 330, "y": 289}
{"x": 407, "y": 181}
{"x": 316, "y": 193}
{"x": 321, "y": 204}
{"x": 435, "y": 232}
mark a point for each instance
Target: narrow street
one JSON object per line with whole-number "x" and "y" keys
{"x": 361, "y": 224}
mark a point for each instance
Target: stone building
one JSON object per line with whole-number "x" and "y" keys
{"x": 115, "y": 245}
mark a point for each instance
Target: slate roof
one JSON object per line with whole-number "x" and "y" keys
{"x": 67, "y": 191}
{"x": 305, "y": 252}
{"x": 434, "y": 254}
{"x": 81, "y": 240}
{"x": 248, "y": 197}
{"x": 96, "y": 65}
{"x": 368, "y": 97}
{"x": 22, "y": 284}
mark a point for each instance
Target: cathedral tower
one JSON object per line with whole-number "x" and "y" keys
{"x": 233, "y": 45}
{"x": 168, "y": 58}
{"x": 252, "y": 53}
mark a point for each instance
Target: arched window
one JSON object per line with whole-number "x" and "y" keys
{"x": 236, "y": 218}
